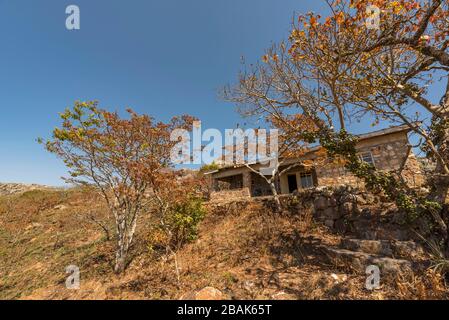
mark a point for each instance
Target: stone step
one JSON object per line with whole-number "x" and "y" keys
{"x": 391, "y": 248}
{"x": 359, "y": 261}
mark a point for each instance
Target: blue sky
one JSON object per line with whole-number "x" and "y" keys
{"x": 159, "y": 57}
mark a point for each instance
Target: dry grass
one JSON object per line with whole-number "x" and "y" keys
{"x": 427, "y": 286}
{"x": 247, "y": 253}
{"x": 38, "y": 240}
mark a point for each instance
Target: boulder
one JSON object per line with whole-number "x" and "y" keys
{"x": 330, "y": 213}
{"x": 283, "y": 296}
{"x": 340, "y": 226}
{"x": 329, "y": 223}
{"x": 346, "y": 208}
{"x": 207, "y": 293}
{"x": 60, "y": 207}
{"x": 332, "y": 202}
{"x": 321, "y": 203}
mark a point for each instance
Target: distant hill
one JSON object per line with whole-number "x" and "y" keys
{"x": 18, "y": 188}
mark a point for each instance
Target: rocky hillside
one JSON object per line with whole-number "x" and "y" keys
{"x": 17, "y": 188}
{"x": 244, "y": 251}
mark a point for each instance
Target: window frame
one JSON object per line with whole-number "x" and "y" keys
{"x": 306, "y": 175}
{"x": 361, "y": 157}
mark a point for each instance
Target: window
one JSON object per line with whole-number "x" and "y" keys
{"x": 306, "y": 180}
{"x": 367, "y": 157}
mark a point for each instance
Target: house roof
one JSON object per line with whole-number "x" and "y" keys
{"x": 363, "y": 136}
{"x": 382, "y": 132}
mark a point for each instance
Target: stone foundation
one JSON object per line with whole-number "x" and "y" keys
{"x": 344, "y": 210}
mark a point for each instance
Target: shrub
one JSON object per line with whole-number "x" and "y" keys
{"x": 185, "y": 218}
{"x": 179, "y": 225}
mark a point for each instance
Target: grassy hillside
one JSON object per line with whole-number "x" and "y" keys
{"x": 246, "y": 253}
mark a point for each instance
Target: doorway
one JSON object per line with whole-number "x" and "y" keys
{"x": 292, "y": 183}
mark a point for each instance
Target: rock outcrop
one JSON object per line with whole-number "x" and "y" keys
{"x": 17, "y": 188}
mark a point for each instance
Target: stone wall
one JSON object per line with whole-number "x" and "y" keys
{"x": 334, "y": 174}
{"x": 388, "y": 152}
{"x": 344, "y": 210}
{"x": 336, "y": 208}
{"x": 413, "y": 172}
{"x": 355, "y": 212}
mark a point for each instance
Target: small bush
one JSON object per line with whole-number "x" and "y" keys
{"x": 184, "y": 220}
{"x": 179, "y": 224}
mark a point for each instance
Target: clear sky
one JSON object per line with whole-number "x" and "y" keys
{"x": 161, "y": 57}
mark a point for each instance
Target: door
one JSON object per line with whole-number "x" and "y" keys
{"x": 292, "y": 183}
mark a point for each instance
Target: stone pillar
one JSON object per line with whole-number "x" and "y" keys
{"x": 214, "y": 184}
{"x": 247, "y": 180}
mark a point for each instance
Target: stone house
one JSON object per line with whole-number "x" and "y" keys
{"x": 386, "y": 149}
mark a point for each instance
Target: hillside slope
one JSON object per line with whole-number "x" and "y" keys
{"x": 245, "y": 252}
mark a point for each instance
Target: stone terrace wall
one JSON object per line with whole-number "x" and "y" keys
{"x": 351, "y": 211}
{"x": 343, "y": 209}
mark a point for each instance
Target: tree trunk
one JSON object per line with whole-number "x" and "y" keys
{"x": 120, "y": 261}
{"x": 122, "y": 245}
{"x": 440, "y": 182}
{"x": 276, "y": 197}
{"x": 440, "y": 188}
